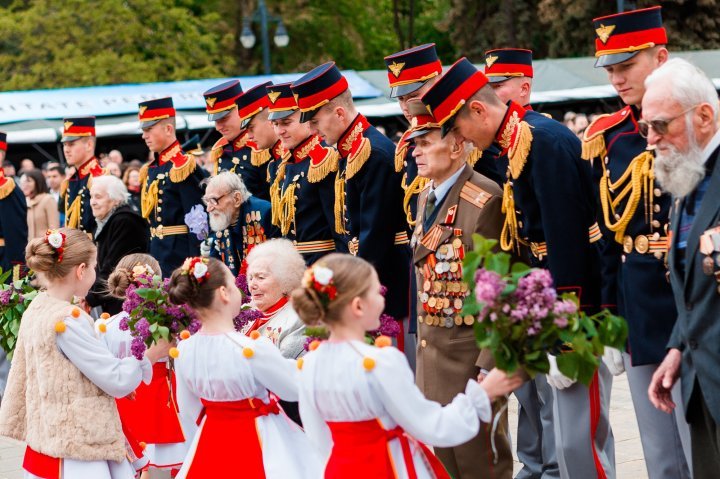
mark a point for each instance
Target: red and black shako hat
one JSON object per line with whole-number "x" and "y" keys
{"x": 409, "y": 69}
{"x": 445, "y": 98}
{"x": 621, "y": 36}
{"x": 316, "y": 88}
{"x": 3, "y": 141}
{"x": 504, "y": 63}
{"x": 220, "y": 100}
{"x": 422, "y": 120}
{"x": 282, "y": 101}
{"x": 152, "y": 111}
{"x": 78, "y": 127}
{"x": 252, "y": 102}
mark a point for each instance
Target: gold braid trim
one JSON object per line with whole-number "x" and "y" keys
{"x": 414, "y": 188}
{"x": 72, "y": 212}
{"x": 287, "y": 209}
{"x": 509, "y": 236}
{"x": 148, "y": 199}
{"x": 215, "y": 155}
{"x": 275, "y": 199}
{"x": 144, "y": 174}
{"x": 474, "y": 156}
{"x": 520, "y": 150}
{"x": 594, "y": 148}
{"x": 178, "y": 174}
{"x": 259, "y": 157}
{"x": 340, "y": 203}
{"x": 355, "y": 162}
{"x": 641, "y": 177}
{"x": 7, "y": 188}
{"x": 329, "y": 164}
{"x": 64, "y": 185}
{"x": 400, "y": 153}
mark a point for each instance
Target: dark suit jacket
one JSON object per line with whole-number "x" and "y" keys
{"x": 697, "y": 330}
{"x": 126, "y": 232}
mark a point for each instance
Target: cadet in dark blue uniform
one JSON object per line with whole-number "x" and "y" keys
{"x": 13, "y": 218}
{"x": 79, "y": 147}
{"x": 253, "y": 106}
{"x": 307, "y": 185}
{"x": 371, "y": 214}
{"x": 549, "y": 206}
{"x": 634, "y": 215}
{"x": 234, "y": 152}
{"x": 238, "y": 219}
{"x": 170, "y": 186}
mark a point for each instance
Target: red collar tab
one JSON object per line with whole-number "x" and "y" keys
{"x": 507, "y": 132}
{"x": 90, "y": 167}
{"x": 241, "y": 141}
{"x": 174, "y": 154}
{"x": 350, "y": 141}
{"x": 605, "y": 122}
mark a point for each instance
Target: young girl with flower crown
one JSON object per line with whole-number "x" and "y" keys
{"x": 359, "y": 403}
{"x": 228, "y": 381}
{"x": 59, "y": 397}
{"x": 150, "y": 414}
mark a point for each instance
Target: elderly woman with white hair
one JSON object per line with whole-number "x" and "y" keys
{"x": 120, "y": 231}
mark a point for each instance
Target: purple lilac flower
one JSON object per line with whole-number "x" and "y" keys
{"x": 137, "y": 348}
{"x": 565, "y": 307}
{"x": 561, "y": 321}
{"x": 20, "y": 298}
{"x": 488, "y": 288}
{"x": 194, "y": 326}
{"x": 123, "y": 325}
{"x": 242, "y": 285}
{"x": 197, "y": 220}
{"x": 535, "y": 296}
{"x": 245, "y": 317}
{"x": 142, "y": 328}
{"x": 388, "y": 327}
{"x": 383, "y": 289}
{"x": 132, "y": 300}
{"x": 5, "y": 296}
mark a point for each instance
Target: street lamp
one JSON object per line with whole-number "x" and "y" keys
{"x": 247, "y": 37}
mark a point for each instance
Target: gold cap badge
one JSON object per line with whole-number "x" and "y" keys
{"x": 604, "y": 32}
{"x": 490, "y": 60}
{"x": 273, "y": 95}
{"x": 142, "y": 110}
{"x": 396, "y": 68}
{"x": 67, "y": 125}
{"x": 210, "y": 101}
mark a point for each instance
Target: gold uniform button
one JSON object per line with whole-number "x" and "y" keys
{"x": 423, "y": 343}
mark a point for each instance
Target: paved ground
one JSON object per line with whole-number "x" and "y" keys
{"x": 628, "y": 451}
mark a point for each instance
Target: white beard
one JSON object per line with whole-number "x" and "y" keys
{"x": 679, "y": 173}
{"x": 219, "y": 220}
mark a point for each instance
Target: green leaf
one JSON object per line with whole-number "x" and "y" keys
{"x": 568, "y": 364}
{"x": 164, "y": 332}
{"x": 153, "y": 327}
{"x": 499, "y": 263}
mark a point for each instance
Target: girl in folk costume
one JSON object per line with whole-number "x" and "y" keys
{"x": 359, "y": 403}
{"x": 225, "y": 379}
{"x": 151, "y": 414}
{"x": 59, "y": 398}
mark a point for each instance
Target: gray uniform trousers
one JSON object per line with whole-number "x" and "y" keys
{"x": 536, "y": 435}
{"x": 584, "y": 441}
{"x": 665, "y": 437}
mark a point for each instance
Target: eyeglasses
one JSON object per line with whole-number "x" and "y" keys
{"x": 213, "y": 201}
{"x": 659, "y": 126}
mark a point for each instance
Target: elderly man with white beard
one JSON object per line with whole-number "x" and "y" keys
{"x": 680, "y": 114}
{"x": 238, "y": 219}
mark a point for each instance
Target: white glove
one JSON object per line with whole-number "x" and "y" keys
{"x": 613, "y": 360}
{"x": 206, "y": 247}
{"x": 555, "y": 378}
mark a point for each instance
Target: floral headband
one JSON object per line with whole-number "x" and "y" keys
{"x": 142, "y": 270}
{"x": 320, "y": 279}
{"x": 196, "y": 267}
{"x": 56, "y": 239}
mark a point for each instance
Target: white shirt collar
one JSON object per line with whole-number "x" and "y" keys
{"x": 711, "y": 146}
{"x": 443, "y": 188}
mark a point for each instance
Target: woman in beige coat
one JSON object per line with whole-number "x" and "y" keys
{"x": 42, "y": 211}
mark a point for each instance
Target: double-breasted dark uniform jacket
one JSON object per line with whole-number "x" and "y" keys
{"x": 170, "y": 188}
{"x": 124, "y": 233}
{"x": 307, "y": 199}
{"x": 447, "y": 354}
{"x": 13, "y": 224}
{"x": 371, "y": 215}
{"x": 252, "y": 227}
{"x": 550, "y": 202}
{"x": 240, "y": 156}
{"x": 633, "y": 215}
{"x": 696, "y": 289}
{"x": 75, "y": 194}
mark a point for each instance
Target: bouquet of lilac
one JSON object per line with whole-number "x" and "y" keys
{"x": 151, "y": 315}
{"x": 521, "y": 318}
{"x": 197, "y": 221}
{"x": 247, "y": 314}
{"x": 14, "y": 300}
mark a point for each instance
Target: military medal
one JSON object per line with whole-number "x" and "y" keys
{"x": 708, "y": 265}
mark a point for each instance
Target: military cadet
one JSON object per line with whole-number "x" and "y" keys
{"x": 371, "y": 215}
{"x": 548, "y": 205}
{"x": 234, "y": 152}
{"x": 253, "y": 106}
{"x": 509, "y": 72}
{"x": 170, "y": 186}
{"x": 239, "y": 220}
{"x": 634, "y": 215}
{"x": 78, "y": 141}
{"x": 13, "y": 236}
{"x": 456, "y": 203}
{"x": 410, "y": 74}
{"x": 307, "y": 184}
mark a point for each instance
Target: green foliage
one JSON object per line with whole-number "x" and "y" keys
{"x": 14, "y": 300}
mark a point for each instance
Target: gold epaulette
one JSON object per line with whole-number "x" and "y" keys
{"x": 65, "y": 183}
{"x": 259, "y": 157}
{"x": 320, "y": 170}
{"x": 7, "y": 188}
{"x": 593, "y": 142}
{"x": 356, "y": 160}
{"x": 520, "y": 149}
{"x": 474, "y": 195}
{"x": 180, "y": 173}
{"x": 474, "y": 156}
{"x": 414, "y": 188}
